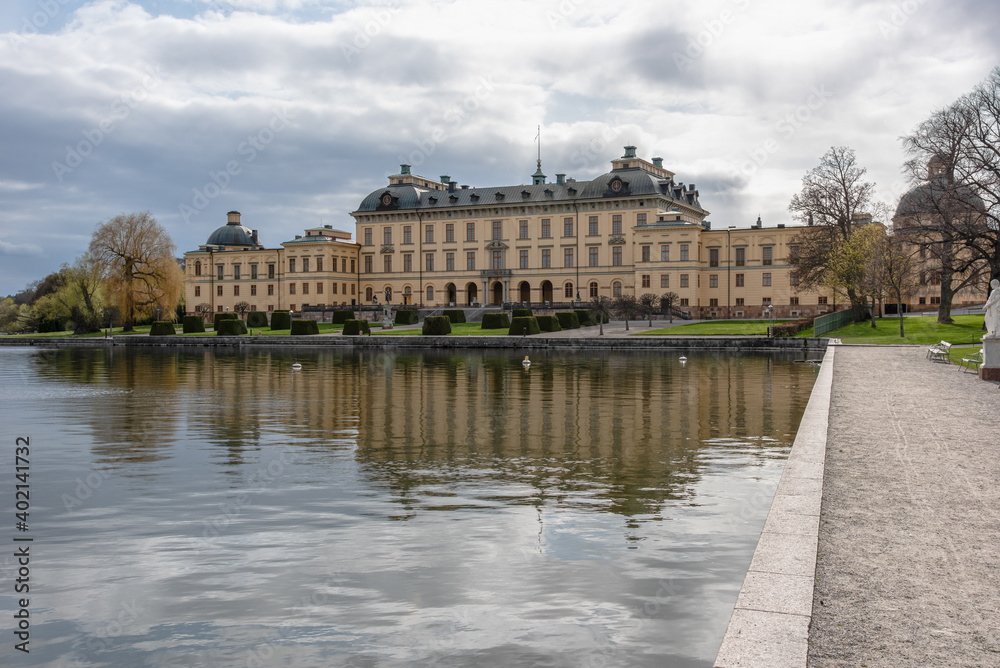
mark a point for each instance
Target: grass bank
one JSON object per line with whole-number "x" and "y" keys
{"x": 714, "y": 328}
{"x": 922, "y": 330}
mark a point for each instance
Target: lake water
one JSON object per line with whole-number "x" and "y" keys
{"x": 388, "y": 509}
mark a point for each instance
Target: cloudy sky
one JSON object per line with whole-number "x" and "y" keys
{"x": 290, "y": 111}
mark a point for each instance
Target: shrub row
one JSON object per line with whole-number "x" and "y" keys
{"x": 219, "y": 317}
{"x": 193, "y": 324}
{"x": 437, "y": 325}
{"x": 355, "y": 327}
{"x": 340, "y": 317}
{"x": 523, "y": 324}
{"x": 304, "y": 327}
{"x": 522, "y": 313}
{"x": 162, "y": 328}
{"x": 792, "y": 328}
{"x": 230, "y": 327}
{"x": 256, "y": 319}
{"x": 281, "y": 320}
{"x": 495, "y": 321}
{"x": 455, "y": 315}
{"x": 568, "y": 319}
{"x": 406, "y": 317}
{"x": 584, "y": 317}
{"x": 548, "y": 323}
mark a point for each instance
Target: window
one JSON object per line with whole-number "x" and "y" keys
{"x": 684, "y": 280}
{"x": 793, "y": 301}
{"x": 319, "y": 264}
{"x": 407, "y": 262}
{"x": 470, "y": 261}
{"x": 923, "y": 300}
{"x": 497, "y": 230}
{"x": 449, "y": 261}
{"x": 197, "y": 268}
{"x": 305, "y": 264}
{"x": 546, "y": 258}
{"x": 428, "y": 234}
{"x": 567, "y": 257}
{"x": 270, "y": 271}
{"x": 291, "y": 288}
{"x": 429, "y": 262}
{"x": 645, "y": 280}
{"x": 568, "y": 292}
{"x": 352, "y": 288}
{"x": 368, "y": 236}
{"x": 713, "y": 257}
{"x": 713, "y": 280}
{"x": 430, "y": 293}
{"x": 767, "y": 255}
{"x": 218, "y": 290}
{"x": 368, "y": 264}
{"x": 593, "y": 256}
{"x": 793, "y": 279}
{"x": 739, "y": 301}
{"x": 616, "y": 256}
{"x": 270, "y": 290}
{"x": 220, "y": 308}
{"x": 645, "y": 253}
{"x": 640, "y": 220}
{"x": 741, "y": 257}
{"x": 470, "y": 231}
{"x": 546, "y": 229}
{"x": 407, "y": 234}
{"x": 523, "y": 254}
{"x": 219, "y": 269}
{"x": 592, "y": 230}
{"x": 253, "y": 290}
{"x": 664, "y": 280}
{"x": 793, "y": 252}
{"x": 766, "y": 279}
{"x": 334, "y": 288}
{"x": 197, "y": 291}
{"x": 449, "y": 233}
{"x": 616, "y": 224}
{"x": 387, "y": 263}
{"x": 739, "y": 280}
{"x": 822, "y": 300}
{"x": 386, "y": 235}
{"x": 352, "y": 266}
{"x": 685, "y": 301}
{"x": 713, "y": 302}
{"x": 319, "y": 288}
{"x": 616, "y": 289}
{"x": 253, "y": 272}
{"x": 684, "y": 252}
{"x": 291, "y": 265}
{"x": 497, "y": 259}
{"x": 270, "y": 307}
{"x": 664, "y": 253}
{"x": 567, "y": 227}
{"x": 593, "y": 288}
{"x": 305, "y": 288}
{"x": 766, "y": 301}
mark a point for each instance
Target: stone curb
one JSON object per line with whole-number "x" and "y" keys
{"x": 769, "y": 627}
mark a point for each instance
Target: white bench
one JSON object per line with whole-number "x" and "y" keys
{"x": 940, "y": 352}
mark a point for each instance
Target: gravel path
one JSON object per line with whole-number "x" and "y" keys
{"x": 908, "y": 572}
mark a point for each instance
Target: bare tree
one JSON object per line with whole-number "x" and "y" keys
{"x": 625, "y": 306}
{"x": 600, "y": 307}
{"x": 834, "y": 199}
{"x": 242, "y": 308}
{"x": 647, "y": 305}
{"x": 138, "y": 259}
{"x": 897, "y": 268}
{"x": 667, "y": 301}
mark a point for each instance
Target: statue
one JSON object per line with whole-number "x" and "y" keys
{"x": 992, "y": 308}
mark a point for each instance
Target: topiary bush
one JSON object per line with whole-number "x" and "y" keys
{"x": 304, "y": 327}
{"x": 219, "y": 317}
{"x": 281, "y": 320}
{"x": 495, "y": 321}
{"x": 340, "y": 317}
{"x": 548, "y": 323}
{"x": 230, "y": 327}
{"x": 456, "y": 315}
{"x": 256, "y": 319}
{"x": 406, "y": 317}
{"x": 568, "y": 320}
{"x": 522, "y": 313}
{"x": 162, "y": 328}
{"x": 193, "y": 324}
{"x": 519, "y": 324}
{"x": 584, "y": 317}
{"x": 354, "y": 327}
{"x": 437, "y": 325}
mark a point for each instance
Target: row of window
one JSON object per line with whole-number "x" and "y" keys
{"x": 238, "y": 269}
{"x": 319, "y": 265}
{"x": 219, "y": 290}
{"x": 544, "y": 231}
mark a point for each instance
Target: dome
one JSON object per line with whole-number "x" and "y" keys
{"x": 931, "y": 197}
{"x": 233, "y": 234}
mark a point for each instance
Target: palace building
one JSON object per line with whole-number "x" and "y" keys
{"x": 432, "y": 243}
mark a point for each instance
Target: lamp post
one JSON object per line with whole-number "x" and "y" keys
{"x": 729, "y": 271}
{"x": 770, "y": 320}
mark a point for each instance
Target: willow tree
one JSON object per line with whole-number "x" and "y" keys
{"x": 137, "y": 258}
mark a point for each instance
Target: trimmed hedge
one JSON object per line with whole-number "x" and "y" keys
{"x": 455, "y": 315}
{"x": 519, "y": 324}
{"x": 406, "y": 317}
{"x": 583, "y": 316}
{"x": 256, "y": 319}
{"x": 355, "y": 327}
{"x": 230, "y": 328}
{"x": 495, "y": 321}
{"x": 162, "y": 328}
{"x": 304, "y": 327}
{"x": 281, "y": 320}
{"x": 522, "y": 313}
{"x": 792, "y": 328}
{"x": 340, "y": 317}
{"x": 548, "y": 323}
{"x": 437, "y": 325}
{"x": 193, "y": 324}
{"x": 568, "y": 320}
{"x": 219, "y": 317}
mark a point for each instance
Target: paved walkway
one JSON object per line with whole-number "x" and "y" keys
{"x": 908, "y": 566}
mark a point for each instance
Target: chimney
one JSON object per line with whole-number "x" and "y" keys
{"x": 253, "y": 236}
{"x": 451, "y": 186}
{"x": 560, "y": 179}
{"x": 758, "y": 224}
{"x": 629, "y": 152}
{"x": 404, "y": 169}
{"x": 658, "y": 162}
{"x": 233, "y": 217}
{"x": 445, "y": 179}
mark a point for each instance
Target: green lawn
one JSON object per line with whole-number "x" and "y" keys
{"x": 715, "y": 328}
{"x": 457, "y": 329}
{"x": 117, "y": 331}
{"x": 923, "y": 330}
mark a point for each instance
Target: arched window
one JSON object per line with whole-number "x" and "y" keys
{"x": 430, "y": 293}
{"x": 368, "y": 294}
{"x": 616, "y": 289}
{"x": 197, "y": 268}
{"x": 569, "y": 291}
{"x": 593, "y": 288}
